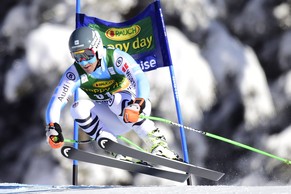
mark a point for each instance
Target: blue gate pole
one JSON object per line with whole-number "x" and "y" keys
{"x": 76, "y": 134}
{"x": 174, "y": 88}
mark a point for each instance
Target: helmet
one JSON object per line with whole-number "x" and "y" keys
{"x": 86, "y": 38}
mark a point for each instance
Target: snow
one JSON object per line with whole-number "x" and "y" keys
{"x": 27, "y": 188}
{"x": 198, "y": 82}
{"x": 48, "y": 48}
{"x": 235, "y": 65}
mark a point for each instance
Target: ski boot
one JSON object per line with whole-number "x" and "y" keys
{"x": 160, "y": 146}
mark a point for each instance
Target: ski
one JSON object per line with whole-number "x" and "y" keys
{"x": 112, "y": 146}
{"x": 80, "y": 155}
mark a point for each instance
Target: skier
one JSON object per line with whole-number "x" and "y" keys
{"x": 118, "y": 92}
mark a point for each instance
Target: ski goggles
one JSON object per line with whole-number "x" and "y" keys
{"x": 83, "y": 55}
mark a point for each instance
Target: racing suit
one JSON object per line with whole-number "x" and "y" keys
{"x": 110, "y": 88}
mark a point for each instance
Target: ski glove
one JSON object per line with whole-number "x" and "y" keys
{"x": 54, "y": 135}
{"x": 131, "y": 112}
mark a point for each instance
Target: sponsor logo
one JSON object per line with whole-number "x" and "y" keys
{"x": 78, "y": 46}
{"x": 130, "y": 78}
{"x": 64, "y": 92}
{"x": 148, "y": 64}
{"x": 103, "y": 84}
{"x": 102, "y": 142}
{"x": 65, "y": 151}
{"x": 124, "y": 67}
{"x": 120, "y": 34}
{"x": 119, "y": 61}
{"x": 111, "y": 70}
{"x": 70, "y": 76}
{"x": 111, "y": 100}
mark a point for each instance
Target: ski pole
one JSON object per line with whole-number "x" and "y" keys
{"x": 288, "y": 162}
{"x": 119, "y": 137}
{"x": 130, "y": 143}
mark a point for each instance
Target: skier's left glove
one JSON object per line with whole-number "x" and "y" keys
{"x": 131, "y": 112}
{"x": 54, "y": 135}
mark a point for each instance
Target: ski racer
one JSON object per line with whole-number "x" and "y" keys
{"x": 118, "y": 92}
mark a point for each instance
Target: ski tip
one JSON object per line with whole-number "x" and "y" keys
{"x": 65, "y": 151}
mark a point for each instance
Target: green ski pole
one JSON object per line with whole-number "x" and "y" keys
{"x": 218, "y": 138}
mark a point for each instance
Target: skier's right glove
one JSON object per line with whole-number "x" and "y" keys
{"x": 54, "y": 135}
{"x": 131, "y": 112}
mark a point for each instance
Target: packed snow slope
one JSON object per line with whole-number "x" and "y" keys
{"x": 24, "y": 188}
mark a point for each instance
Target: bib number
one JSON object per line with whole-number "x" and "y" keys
{"x": 103, "y": 96}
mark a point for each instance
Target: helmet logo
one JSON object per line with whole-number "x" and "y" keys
{"x": 76, "y": 42}
{"x": 77, "y": 45}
